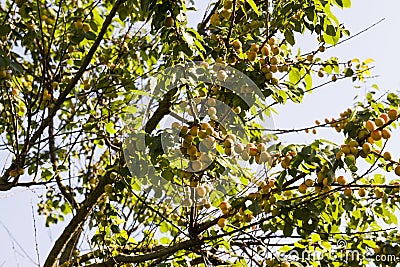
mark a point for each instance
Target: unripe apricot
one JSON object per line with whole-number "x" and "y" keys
{"x": 321, "y": 49}
{"x": 271, "y": 41}
{"x": 376, "y": 135}
{"x": 253, "y": 151}
{"x": 310, "y": 57}
{"x": 379, "y": 193}
{"x": 274, "y": 60}
{"x": 385, "y": 117}
{"x": 285, "y": 264}
{"x": 348, "y": 192}
{"x": 254, "y": 48}
{"x": 201, "y": 191}
{"x": 13, "y": 173}
{"x": 362, "y": 192}
{"x": 251, "y": 55}
{"x": 78, "y": 24}
{"x": 226, "y": 14}
{"x": 214, "y": 20}
{"x": 397, "y": 170}
{"x": 196, "y": 165}
{"x": 303, "y": 188}
{"x": 273, "y": 68}
{"x": 367, "y": 148}
{"x": 387, "y": 155}
{"x": 386, "y": 134}
{"x": 393, "y": 114}
{"x": 370, "y": 126}
{"x": 228, "y": 4}
{"x": 265, "y": 50}
{"x": 86, "y": 27}
{"x": 320, "y": 74}
{"x": 341, "y": 180}
{"x": 224, "y": 205}
{"x": 379, "y": 122}
{"x": 264, "y": 156}
{"x": 268, "y": 76}
{"x": 271, "y": 183}
{"x": 245, "y": 156}
{"x": 270, "y": 262}
{"x": 274, "y": 81}
{"x": 237, "y": 44}
{"x": 221, "y": 222}
{"x": 192, "y": 150}
{"x": 309, "y": 182}
{"x": 275, "y": 50}
{"x": 194, "y": 130}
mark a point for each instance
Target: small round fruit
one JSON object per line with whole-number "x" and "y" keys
{"x": 194, "y": 130}
{"x": 309, "y": 182}
{"x": 251, "y": 56}
{"x": 321, "y": 49}
{"x": 169, "y": 22}
{"x": 215, "y": 20}
{"x": 320, "y": 74}
{"x": 341, "y": 180}
{"x": 224, "y": 206}
{"x": 275, "y": 50}
{"x": 196, "y": 165}
{"x": 386, "y": 134}
{"x": 237, "y": 44}
{"x": 303, "y": 188}
{"x": 385, "y": 117}
{"x": 221, "y": 222}
{"x": 265, "y": 51}
{"x": 387, "y": 155}
{"x": 271, "y": 41}
{"x": 254, "y": 48}
{"x": 397, "y": 170}
{"x": 86, "y": 27}
{"x": 379, "y": 122}
{"x": 201, "y": 191}
{"x": 362, "y": 192}
{"x": 78, "y": 24}
{"x": 285, "y": 264}
{"x": 379, "y": 193}
{"x": 348, "y": 192}
{"x": 13, "y": 173}
{"x": 370, "y": 125}
{"x": 393, "y": 114}
{"x": 376, "y": 135}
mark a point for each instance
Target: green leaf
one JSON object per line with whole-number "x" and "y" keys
{"x": 165, "y": 240}
{"x": 288, "y": 229}
{"x": 90, "y": 35}
{"x": 4, "y": 30}
{"x": 115, "y": 229}
{"x": 253, "y": 6}
{"x": 289, "y": 36}
{"x": 110, "y": 128}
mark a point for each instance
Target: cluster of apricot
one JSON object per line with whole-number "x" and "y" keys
{"x": 224, "y": 14}
{"x": 269, "y": 57}
{"x": 79, "y": 25}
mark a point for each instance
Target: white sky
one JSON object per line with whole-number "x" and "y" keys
{"x": 379, "y": 43}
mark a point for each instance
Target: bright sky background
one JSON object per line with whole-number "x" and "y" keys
{"x": 17, "y": 235}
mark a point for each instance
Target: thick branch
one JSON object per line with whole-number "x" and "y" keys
{"x": 121, "y": 258}
{"x": 162, "y": 110}
{"x": 77, "y": 222}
